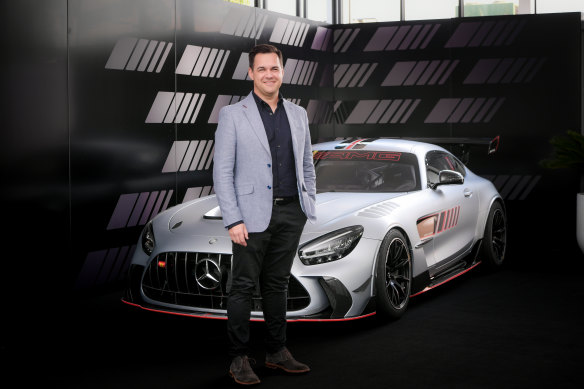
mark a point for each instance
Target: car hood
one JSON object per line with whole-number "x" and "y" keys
{"x": 203, "y": 216}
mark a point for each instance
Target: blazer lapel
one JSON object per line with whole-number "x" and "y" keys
{"x": 250, "y": 110}
{"x": 295, "y": 127}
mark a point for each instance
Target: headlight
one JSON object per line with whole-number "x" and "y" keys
{"x": 330, "y": 247}
{"x": 148, "y": 241}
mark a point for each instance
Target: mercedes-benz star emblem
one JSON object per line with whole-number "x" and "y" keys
{"x": 208, "y": 274}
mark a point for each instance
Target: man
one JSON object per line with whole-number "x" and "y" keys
{"x": 265, "y": 184}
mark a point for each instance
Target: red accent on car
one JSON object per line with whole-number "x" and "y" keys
{"x": 353, "y": 144}
{"x": 426, "y": 289}
{"x": 211, "y": 316}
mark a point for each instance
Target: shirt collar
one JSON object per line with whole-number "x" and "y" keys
{"x": 262, "y": 103}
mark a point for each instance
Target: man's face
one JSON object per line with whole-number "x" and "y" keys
{"x": 266, "y": 74}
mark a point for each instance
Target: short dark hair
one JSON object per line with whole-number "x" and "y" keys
{"x": 264, "y": 49}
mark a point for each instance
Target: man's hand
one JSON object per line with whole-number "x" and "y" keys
{"x": 238, "y": 234}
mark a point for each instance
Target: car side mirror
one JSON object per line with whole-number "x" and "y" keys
{"x": 448, "y": 177}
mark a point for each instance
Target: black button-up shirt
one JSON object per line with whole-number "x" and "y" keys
{"x": 279, "y": 136}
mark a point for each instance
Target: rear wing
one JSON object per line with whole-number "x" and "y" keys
{"x": 461, "y": 147}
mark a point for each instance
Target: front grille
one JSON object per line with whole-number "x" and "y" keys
{"x": 201, "y": 280}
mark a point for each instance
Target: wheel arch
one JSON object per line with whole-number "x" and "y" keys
{"x": 408, "y": 242}
{"x": 483, "y": 223}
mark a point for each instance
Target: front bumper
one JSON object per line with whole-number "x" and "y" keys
{"x": 339, "y": 290}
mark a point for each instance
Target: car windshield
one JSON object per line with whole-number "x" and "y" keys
{"x": 366, "y": 171}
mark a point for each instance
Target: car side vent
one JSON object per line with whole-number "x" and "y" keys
{"x": 379, "y": 210}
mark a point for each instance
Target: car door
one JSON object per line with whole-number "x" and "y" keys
{"x": 456, "y": 208}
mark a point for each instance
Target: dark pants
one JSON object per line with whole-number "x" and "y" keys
{"x": 266, "y": 259}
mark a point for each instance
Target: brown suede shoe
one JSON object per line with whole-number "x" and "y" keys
{"x": 285, "y": 361}
{"x": 242, "y": 372}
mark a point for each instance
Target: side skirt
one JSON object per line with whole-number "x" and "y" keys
{"x": 424, "y": 282}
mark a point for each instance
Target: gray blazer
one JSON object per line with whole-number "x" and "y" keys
{"x": 242, "y": 172}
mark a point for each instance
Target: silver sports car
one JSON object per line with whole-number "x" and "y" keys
{"x": 395, "y": 218}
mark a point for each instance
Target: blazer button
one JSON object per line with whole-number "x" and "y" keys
{"x": 269, "y": 187}
{"x": 269, "y": 165}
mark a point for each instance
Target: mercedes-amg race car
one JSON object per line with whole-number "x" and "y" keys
{"x": 395, "y": 218}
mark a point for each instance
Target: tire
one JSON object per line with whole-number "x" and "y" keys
{"x": 495, "y": 238}
{"x": 394, "y": 276}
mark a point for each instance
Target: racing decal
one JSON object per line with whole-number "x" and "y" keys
{"x": 436, "y": 223}
{"x": 358, "y": 155}
{"x": 355, "y": 143}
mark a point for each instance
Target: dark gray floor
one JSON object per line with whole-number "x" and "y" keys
{"x": 520, "y": 327}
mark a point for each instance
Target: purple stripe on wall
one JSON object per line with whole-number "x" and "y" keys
{"x": 449, "y": 71}
{"x": 463, "y": 34}
{"x": 122, "y": 211}
{"x": 442, "y": 110}
{"x": 439, "y": 72}
{"x": 410, "y": 111}
{"x": 362, "y": 111}
{"x": 137, "y": 54}
{"x": 481, "y": 71}
{"x": 460, "y": 110}
{"x": 379, "y": 110}
{"x": 500, "y": 71}
{"x": 498, "y": 105}
{"x": 398, "y": 37}
{"x": 390, "y": 111}
{"x": 428, "y": 72}
{"x": 516, "y": 32}
{"x": 121, "y": 265}
{"x": 148, "y": 208}
{"x": 415, "y": 74}
{"x": 157, "y": 207}
{"x": 473, "y": 110}
{"x": 410, "y": 37}
{"x": 481, "y": 34}
{"x": 121, "y": 53}
{"x": 380, "y": 38}
{"x": 91, "y": 268}
{"x": 484, "y": 109}
{"x": 398, "y": 73}
{"x": 506, "y": 32}
{"x": 424, "y": 33}
{"x": 494, "y": 33}
{"x": 107, "y": 265}
{"x": 400, "y": 111}
{"x": 517, "y": 65}
{"x": 138, "y": 208}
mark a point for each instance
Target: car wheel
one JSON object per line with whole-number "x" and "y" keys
{"x": 394, "y": 276}
{"x": 495, "y": 238}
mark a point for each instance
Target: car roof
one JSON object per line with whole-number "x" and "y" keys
{"x": 380, "y": 144}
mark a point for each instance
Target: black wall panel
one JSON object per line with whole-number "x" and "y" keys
{"x": 113, "y": 107}
{"x": 34, "y": 157}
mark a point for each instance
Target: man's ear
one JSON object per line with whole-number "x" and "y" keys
{"x": 250, "y": 73}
